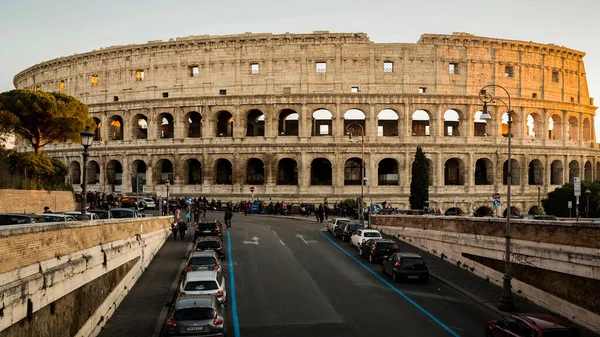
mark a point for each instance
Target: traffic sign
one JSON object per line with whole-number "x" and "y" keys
{"x": 570, "y": 204}
{"x": 376, "y": 208}
{"x": 577, "y": 185}
{"x": 252, "y": 189}
{"x": 496, "y": 196}
{"x": 496, "y": 202}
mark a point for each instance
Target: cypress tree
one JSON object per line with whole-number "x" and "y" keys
{"x": 419, "y": 185}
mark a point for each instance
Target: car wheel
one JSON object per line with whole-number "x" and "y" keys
{"x": 395, "y": 278}
{"x": 371, "y": 259}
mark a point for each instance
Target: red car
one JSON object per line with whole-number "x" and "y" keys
{"x": 531, "y": 325}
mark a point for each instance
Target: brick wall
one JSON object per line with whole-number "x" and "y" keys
{"x": 31, "y": 201}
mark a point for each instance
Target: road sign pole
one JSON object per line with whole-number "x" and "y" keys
{"x": 577, "y": 207}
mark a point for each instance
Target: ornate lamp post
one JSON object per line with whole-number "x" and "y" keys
{"x": 506, "y": 302}
{"x": 587, "y": 202}
{"x": 350, "y": 129}
{"x": 87, "y": 137}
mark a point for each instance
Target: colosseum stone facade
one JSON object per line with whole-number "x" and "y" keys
{"x": 216, "y": 115}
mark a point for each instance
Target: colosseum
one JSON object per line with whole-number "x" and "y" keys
{"x": 288, "y": 115}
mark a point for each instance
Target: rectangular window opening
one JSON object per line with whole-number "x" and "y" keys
{"x": 94, "y": 80}
{"x": 115, "y": 98}
{"x": 139, "y": 75}
{"x": 453, "y": 68}
{"x": 195, "y": 71}
{"x": 422, "y": 90}
{"x": 354, "y": 89}
{"x": 321, "y": 67}
{"x": 323, "y": 129}
{"x": 572, "y": 99}
{"x": 165, "y": 95}
{"x": 61, "y": 86}
{"x": 287, "y": 90}
{"x": 534, "y": 95}
{"x": 482, "y": 92}
{"x": 509, "y": 71}
{"x": 379, "y": 131}
{"x": 223, "y": 92}
{"x": 427, "y": 130}
{"x": 388, "y": 67}
{"x": 37, "y": 88}
{"x": 555, "y": 76}
{"x": 254, "y": 68}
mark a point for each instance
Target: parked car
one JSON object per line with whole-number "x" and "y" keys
{"x": 359, "y": 237}
{"x": 541, "y": 217}
{"x": 377, "y": 250}
{"x": 206, "y": 282}
{"x": 129, "y": 202}
{"x": 86, "y": 216}
{"x": 405, "y": 266}
{"x": 208, "y": 228}
{"x": 57, "y": 217}
{"x": 124, "y": 213}
{"x": 19, "y": 219}
{"x": 203, "y": 260}
{"x": 539, "y": 325}
{"x": 344, "y": 232}
{"x": 336, "y": 222}
{"x": 102, "y": 215}
{"x": 198, "y": 314}
{"x": 211, "y": 243}
{"x": 148, "y": 203}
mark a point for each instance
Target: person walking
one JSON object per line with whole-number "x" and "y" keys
{"x": 174, "y": 230}
{"x": 227, "y": 217}
{"x": 182, "y": 229}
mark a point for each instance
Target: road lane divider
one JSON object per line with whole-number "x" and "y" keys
{"x": 303, "y": 239}
{"x": 281, "y": 242}
{"x": 234, "y": 314}
{"x": 391, "y": 286}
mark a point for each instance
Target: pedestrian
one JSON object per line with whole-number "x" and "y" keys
{"x": 47, "y": 210}
{"x": 320, "y": 213}
{"x": 182, "y": 229}
{"x": 174, "y": 230}
{"x": 188, "y": 215}
{"x": 227, "y": 217}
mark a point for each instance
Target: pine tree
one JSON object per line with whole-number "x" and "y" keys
{"x": 419, "y": 185}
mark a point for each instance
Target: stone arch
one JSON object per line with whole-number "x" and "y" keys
{"x": 387, "y": 123}
{"x": 420, "y": 123}
{"x": 255, "y": 172}
{"x": 483, "y": 211}
{"x": 75, "y": 173}
{"x": 555, "y": 126}
{"x": 479, "y": 125}
{"x": 515, "y": 169}
{"x": 139, "y": 171}
{"x": 534, "y": 210}
{"x": 321, "y": 172}
{"x": 139, "y": 126}
{"x": 224, "y": 124}
{"x": 387, "y": 172}
{"x": 93, "y": 172}
{"x": 451, "y": 123}
{"x": 98, "y": 130}
{"x": 194, "y": 122}
{"x": 322, "y": 122}
{"x": 255, "y": 123}
{"x": 454, "y": 211}
{"x": 353, "y": 117}
{"x": 116, "y": 127}
{"x": 352, "y": 171}
{"x": 513, "y": 210}
{"x": 287, "y": 172}
{"x": 535, "y": 172}
{"x": 484, "y": 172}
{"x": 193, "y": 172}
{"x": 574, "y": 170}
{"x": 587, "y": 130}
{"x": 114, "y": 173}
{"x": 166, "y": 125}
{"x": 454, "y": 172}
{"x": 164, "y": 172}
{"x": 573, "y": 130}
{"x": 588, "y": 171}
{"x": 288, "y": 123}
{"x": 556, "y": 173}
{"x": 223, "y": 172}
{"x": 534, "y": 125}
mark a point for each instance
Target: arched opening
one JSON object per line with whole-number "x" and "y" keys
{"x": 454, "y": 172}
{"x": 354, "y": 122}
{"x": 224, "y": 172}
{"x": 483, "y": 211}
{"x": 504, "y": 125}
{"x": 454, "y": 211}
{"x": 98, "y": 131}
{"x": 387, "y": 172}
{"x": 513, "y": 210}
{"x": 352, "y": 174}
{"x": 114, "y": 173}
{"x": 588, "y": 171}
{"x": 573, "y": 170}
{"x": 420, "y": 123}
{"x": 320, "y": 172}
{"x": 164, "y": 172}
{"x": 555, "y": 127}
{"x": 116, "y": 128}
{"x": 138, "y": 177}
{"x": 287, "y": 172}
{"x": 288, "y": 123}
{"x": 556, "y": 173}
{"x": 194, "y": 120}
{"x": 535, "y": 173}
{"x": 573, "y": 128}
{"x": 194, "y": 172}
{"x": 534, "y": 125}
{"x": 167, "y": 129}
{"x": 479, "y": 125}
{"x": 255, "y": 123}
{"x": 484, "y": 173}
{"x": 224, "y": 124}
{"x": 75, "y": 173}
{"x": 515, "y": 171}
{"x": 322, "y": 123}
{"x": 587, "y": 130}
{"x": 534, "y": 210}
{"x": 93, "y": 172}
{"x": 451, "y": 123}
{"x": 140, "y": 124}
{"x": 387, "y": 123}
{"x": 255, "y": 172}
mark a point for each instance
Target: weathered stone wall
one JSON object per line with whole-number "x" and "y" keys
{"x": 31, "y": 201}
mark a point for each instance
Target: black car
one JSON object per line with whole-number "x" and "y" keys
{"x": 376, "y": 250}
{"x": 211, "y": 243}
{"x": 404, "y": 266}
{"x": 345, "y": 232}
{"x": 18, "y": 219}
{"x": 208, "y": 228}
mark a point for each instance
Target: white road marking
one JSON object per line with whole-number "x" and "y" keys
{"x": 269, "y": 227}
{"x": 254, "y": 241}
{"x": 282, "y": 242}
{"x": 305, "y": 241}
{"x": 274, "y": 233}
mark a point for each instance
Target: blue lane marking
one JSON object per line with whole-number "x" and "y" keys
{"x": 395, "y": 289}
{"x": 236, "y": 325}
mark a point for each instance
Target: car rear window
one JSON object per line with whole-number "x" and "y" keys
{"x": 411, "y": 261}
{"x": 560, "y": 333}
{"x": 202, "y": 260}
{"x": 102, "y": 215}
{"x": 207, "y": 225}
{"x": 387, "y": 245}
{"x": 201, "y": 285}
{"x": 372, "y": 235}
{"x": 208, "y": 244}
{"x": 121, "y": 214}
{"x": 354, "y": 227}
{"x": 194, "y": 314}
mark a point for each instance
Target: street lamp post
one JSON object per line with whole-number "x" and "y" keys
{"x": 87, "y": 137}
{"x": 350, "y": 129}
{"x": 506, "y": 302}
{"x": 587, "y": 202}
{"x": 167, "y": 184}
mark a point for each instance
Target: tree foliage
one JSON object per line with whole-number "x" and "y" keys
{"x": 419, "y": 185}
{"x": 557, "y": 201}
{"x": 31, "y": 171}
{"x": 42, "y": 118}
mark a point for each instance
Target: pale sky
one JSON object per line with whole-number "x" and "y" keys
{"x": 32, "y": 31}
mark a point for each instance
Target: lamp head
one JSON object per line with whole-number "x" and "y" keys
{"x": 485, "y": 115}
{"x": 87, "y": 137}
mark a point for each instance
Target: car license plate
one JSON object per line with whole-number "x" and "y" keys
{"x": 207, "y": 231}
{"x": 413, "y": 276}
{"x": 385, "y": 256}
{"x": 203, "y": 267}
{"x": 194, "y": 328}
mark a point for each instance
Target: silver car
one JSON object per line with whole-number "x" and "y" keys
{"x": 198, "y": 315}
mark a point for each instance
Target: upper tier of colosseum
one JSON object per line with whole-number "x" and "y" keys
{"x": 321, "y": 62}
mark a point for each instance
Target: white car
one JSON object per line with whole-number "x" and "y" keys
{"x": 150, "y": 204}
{"x": 206, "y": 282}
{"x": 360, "y": 236}
{"x": 77, "y": 215}
{"x": 334, "y": 222}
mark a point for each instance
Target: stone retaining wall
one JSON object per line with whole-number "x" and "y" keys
{"x": 32, "y": 201}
